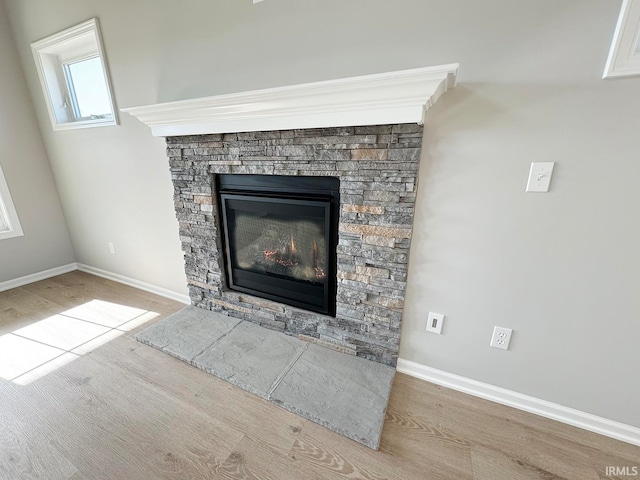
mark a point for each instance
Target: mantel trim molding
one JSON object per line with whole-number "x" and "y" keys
{"x": 386, "y": 98}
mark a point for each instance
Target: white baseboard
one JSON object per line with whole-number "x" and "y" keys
{"x": 132, "y": 282}
{"x": 36, "y": 277}
{"x": 570, "y": 416}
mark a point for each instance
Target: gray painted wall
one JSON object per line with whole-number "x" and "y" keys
{"x": 556, "y": 268}
{"x": 45, "y": 243}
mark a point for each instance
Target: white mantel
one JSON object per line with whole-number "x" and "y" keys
{"x": 394, "y": 97}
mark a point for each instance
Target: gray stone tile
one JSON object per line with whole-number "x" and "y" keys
{"x": 250, "y": 357}
{"x": 188, "y": 332}
{"x": 344, "y": 393}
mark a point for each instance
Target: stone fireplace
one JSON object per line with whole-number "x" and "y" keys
{"x": 377, "y": 170}
{"x": 365, "y": 135}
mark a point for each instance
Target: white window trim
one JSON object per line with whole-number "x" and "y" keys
{"x": 624, "y": 56}
{"x": 8, "y": 211}
{"x": 55, "y": 44}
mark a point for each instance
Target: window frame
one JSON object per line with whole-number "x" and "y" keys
{"x": 8, "y": 212}
{"x": 624, "y": 55}
{"x": 51, "y": 55}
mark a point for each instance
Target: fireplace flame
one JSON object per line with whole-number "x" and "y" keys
{"x": 292, "y": 246}
{"x": 319, "y": 272}
{"x": 286, "y": 255}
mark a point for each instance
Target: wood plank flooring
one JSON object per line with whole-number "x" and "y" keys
{"x": 116, "y": 409}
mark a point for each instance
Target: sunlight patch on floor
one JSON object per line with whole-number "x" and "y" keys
{"x": 42, "y": 347}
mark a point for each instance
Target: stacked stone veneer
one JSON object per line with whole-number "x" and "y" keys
{"x": 377, "y": 167}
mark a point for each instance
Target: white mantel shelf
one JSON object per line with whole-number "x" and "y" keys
{"x": 394, "y": 97}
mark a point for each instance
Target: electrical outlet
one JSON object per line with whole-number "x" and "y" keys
{"x": 501, "y": 338}
{"x": 434, "y": 323}
{"x": 112, "y": 249}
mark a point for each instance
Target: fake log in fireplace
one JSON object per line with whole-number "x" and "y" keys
{"x": 280, "y": 235}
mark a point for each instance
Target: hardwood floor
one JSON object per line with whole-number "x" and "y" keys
{"x": 116, "y": 409}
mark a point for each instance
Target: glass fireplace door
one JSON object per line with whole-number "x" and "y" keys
{"x": 278, "y": 247}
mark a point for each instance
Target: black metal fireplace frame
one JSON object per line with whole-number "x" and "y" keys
{"x": 283, "y": 192}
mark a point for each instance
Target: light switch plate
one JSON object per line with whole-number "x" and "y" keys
{"x": 540, "y": 176}
{"x": 434, "y": 323}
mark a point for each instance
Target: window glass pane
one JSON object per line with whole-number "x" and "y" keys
{"x": 3, "y": 222}
{"x": 9, "y": 221}
{"x": 89, "y": 87}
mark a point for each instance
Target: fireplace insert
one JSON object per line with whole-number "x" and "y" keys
{"x": 279, "y": 235}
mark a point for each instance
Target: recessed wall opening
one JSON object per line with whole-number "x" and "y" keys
{"x": 279, "y": 235}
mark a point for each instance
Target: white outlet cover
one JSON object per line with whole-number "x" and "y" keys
{"x": 501, "y": 338}
{"x": 434, "y": 323}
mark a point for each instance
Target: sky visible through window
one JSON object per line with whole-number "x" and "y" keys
{"x": 90, "y": 88}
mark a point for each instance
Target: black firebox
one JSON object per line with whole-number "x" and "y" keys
{"x": 280, "y": 235}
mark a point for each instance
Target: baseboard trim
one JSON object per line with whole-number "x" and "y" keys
{"x": 36, "y": 277}
{"x": 132, "y": 282}
{"x": 560, "y": 413}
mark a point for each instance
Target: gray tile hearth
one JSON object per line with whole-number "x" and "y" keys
{"x": 354, "y": 391}
{"x": 251, "y": 357}
{"x": 342, "y": 392}
{"x": 187, "y": 335}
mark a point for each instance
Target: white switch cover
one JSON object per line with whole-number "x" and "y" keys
{"x": 434, "y": 323}
{"x": 540, "y": 176}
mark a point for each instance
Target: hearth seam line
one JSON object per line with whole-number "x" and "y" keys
{"x": 278, "y": 381}
{"x": 216, "y": 340}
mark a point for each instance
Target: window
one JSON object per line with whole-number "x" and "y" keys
{"x": 88, "y": 94}
{"x": 74, "y": 78}
{"x": 9, "y": 222}
{"x": 624, "y": 56}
